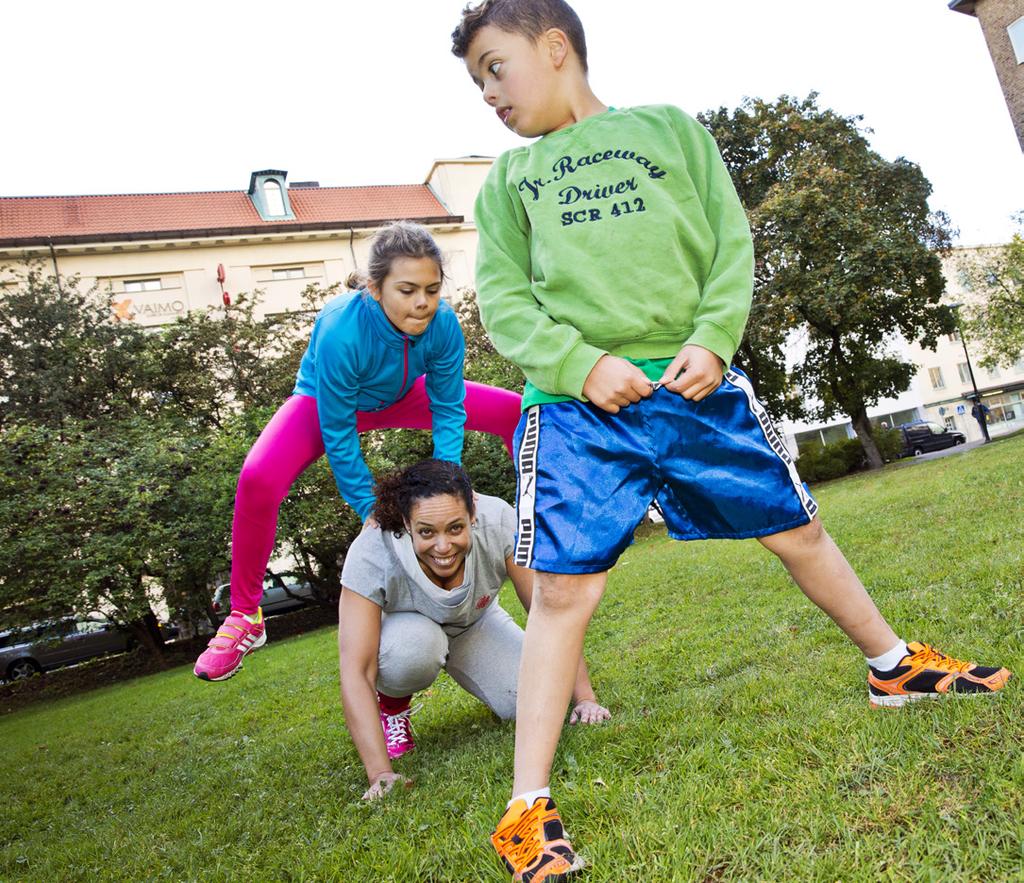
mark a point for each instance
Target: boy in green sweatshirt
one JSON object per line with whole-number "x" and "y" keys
{"x": 615, "y": 267}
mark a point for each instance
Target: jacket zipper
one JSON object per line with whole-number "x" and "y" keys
{"x": 405, "y": 365}
{"x": 405, "y": 372}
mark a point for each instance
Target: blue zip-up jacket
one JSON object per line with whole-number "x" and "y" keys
{"x": 358, "y": 361}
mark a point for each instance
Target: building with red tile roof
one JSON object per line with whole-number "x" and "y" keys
{"x": 161, "y": 254}
{"x": 40, "y": 220}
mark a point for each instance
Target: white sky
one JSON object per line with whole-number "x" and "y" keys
{"x": 127, "y": 97}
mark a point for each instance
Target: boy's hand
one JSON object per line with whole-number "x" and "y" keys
{"x": 614, "y": 383}
{"x": 695, "y": 373}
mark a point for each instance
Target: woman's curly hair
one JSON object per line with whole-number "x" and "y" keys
{"x": 397, "y": 491}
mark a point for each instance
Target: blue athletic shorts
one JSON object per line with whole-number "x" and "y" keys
{"x": 715, "y": 469}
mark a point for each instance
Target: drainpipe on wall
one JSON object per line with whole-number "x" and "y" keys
{"x": 56, "y": 269}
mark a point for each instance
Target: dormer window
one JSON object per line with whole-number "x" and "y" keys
{"x": 273, "y": 198}
{"x": 268, "y": 191}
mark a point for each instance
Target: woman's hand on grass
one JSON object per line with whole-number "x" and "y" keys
{"x": 588, "y": 711}
{"x": 384, "y": 783}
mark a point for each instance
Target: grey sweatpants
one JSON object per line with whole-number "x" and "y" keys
{"x": 483, "y": 659}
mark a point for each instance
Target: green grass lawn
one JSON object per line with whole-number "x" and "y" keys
{"x": 742, "y": 746}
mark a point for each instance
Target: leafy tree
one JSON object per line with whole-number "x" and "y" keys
{"x": 214, "y": 363}
{"x": 121, "y": 447}
{"x": 192, "y": 549}
{"x": 995, "y": 320}
{"x": 847, "y": 256}
{"x": 80, "y": 518}
{"x": 62, "y": 356}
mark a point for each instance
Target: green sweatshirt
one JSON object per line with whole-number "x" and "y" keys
{"x": 621, "y": 234}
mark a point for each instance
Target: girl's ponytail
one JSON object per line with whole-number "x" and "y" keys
{"x": 356, "y": 280}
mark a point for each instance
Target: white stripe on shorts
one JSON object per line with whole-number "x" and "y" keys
{"x": 526, "y": 467}
{"x": 773, "y": 438}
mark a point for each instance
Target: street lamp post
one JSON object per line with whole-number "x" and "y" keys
{"x": 978, "y": 411}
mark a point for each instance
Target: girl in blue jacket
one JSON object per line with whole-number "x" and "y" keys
{"x": 387, "y": 356}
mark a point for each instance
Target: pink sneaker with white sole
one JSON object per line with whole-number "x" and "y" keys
{"x": 398, "y": 731}
{"x": 234, "y": 639}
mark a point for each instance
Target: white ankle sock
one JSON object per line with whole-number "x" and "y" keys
{"x": 530, "y": 796}
{"x": 890, "y": 660}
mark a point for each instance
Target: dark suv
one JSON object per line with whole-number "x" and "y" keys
{"x": 920, "y": 438}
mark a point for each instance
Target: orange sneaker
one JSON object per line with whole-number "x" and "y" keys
{"x": 925, "y": 672}
{"x": 532, "y": 844}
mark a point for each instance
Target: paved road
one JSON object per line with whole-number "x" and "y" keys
{"x": 946, "y": 452}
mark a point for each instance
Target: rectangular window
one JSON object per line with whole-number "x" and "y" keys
{"x": 965, "y": 372}
{"x": 832, "y": 434}
{"x": 994, "y": 372}
{"x": 954, "y": 337}
{"x": 826, "y": 435}
{"x": 304, "y": 273}
{"x": 1016, "y": 34}
{"x": 1001, "y": 414}
{"x": 935, "y": 375}
{"x": 143, "y": 285}
{"x": 908, "y": 416}
{"x": 1005, "y": 408}
{"x": 810, "y": 438}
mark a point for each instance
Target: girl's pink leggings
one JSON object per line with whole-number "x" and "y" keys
{"x": 291, "y": 441}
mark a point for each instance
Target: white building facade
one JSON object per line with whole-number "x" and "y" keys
{"x": 942, "y": 389}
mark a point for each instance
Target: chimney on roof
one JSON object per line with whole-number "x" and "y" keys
{"x": 268, "y": 191}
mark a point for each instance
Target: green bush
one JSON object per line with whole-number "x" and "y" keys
{"x": 824, "y": 462}
{"x": 890, "y": 444}
{"x": 820, "y": 462}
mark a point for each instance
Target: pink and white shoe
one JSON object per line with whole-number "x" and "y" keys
{"x": 398, "y": 731}
{"x": 234, "y": 639}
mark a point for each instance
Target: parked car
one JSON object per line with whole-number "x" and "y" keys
{"x": 48, "y": 645}
{"x": 920, "y": 438}
{"x": 184, "y": 624}
{"x": 281, "y": 592}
